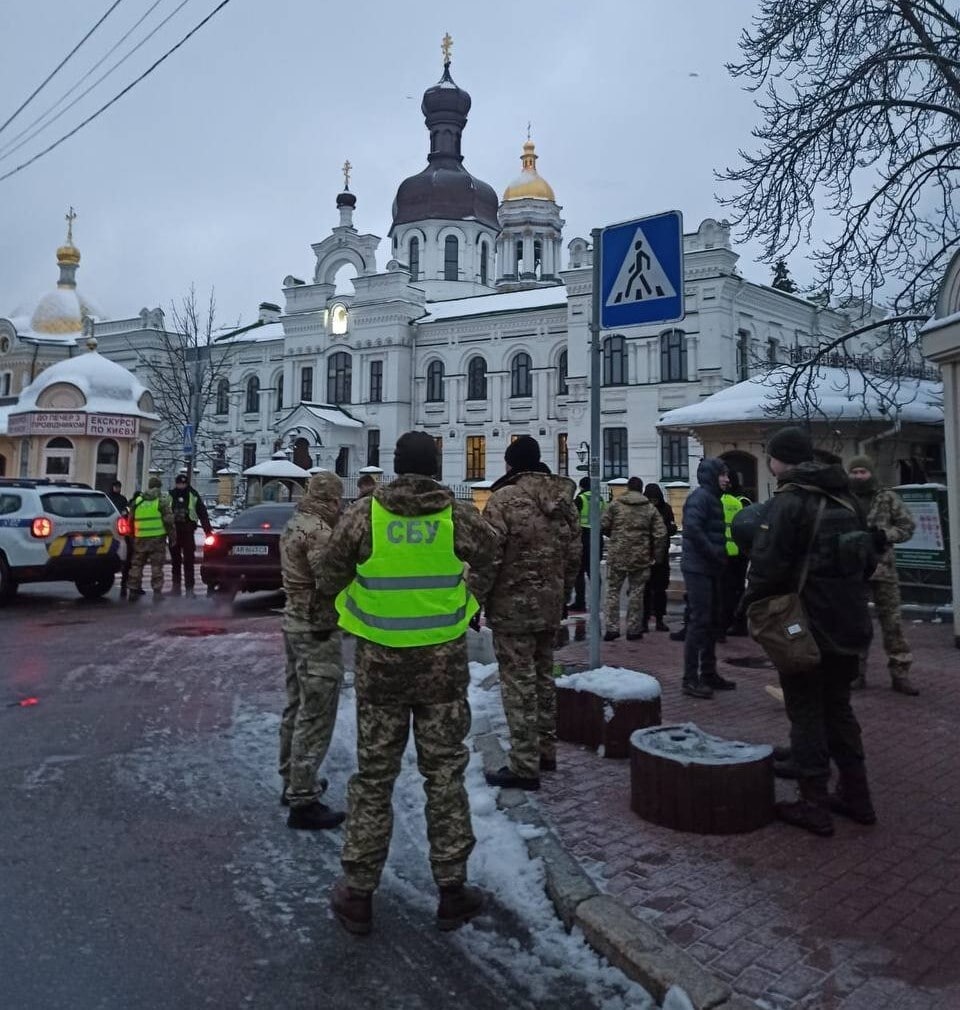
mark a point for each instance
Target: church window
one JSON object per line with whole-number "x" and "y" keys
{"x": 519, "y": 256}
{"x": 252, "y": 403}
{"x": 338, "y": 317}
{"x": 451, "y": 258}
{"x": 223, "y": 397}
{"x": 538, "y": 257}
{"x": 219, "y": 459}
{"x": 521, "y": 375}
{"x": 280, "y": 391}
{"x": 376, "y": 381}
{"x": 476, "y": 457}
{"x": 483, "y": 263}
{"x": 435, "y": 382}
{"x": 673, "y": 356}
{"x": 563, "y": 454}
{"x": 249, "y": 455}
{"x": 342, "y": 465}
{"x": 615, "y": 361}
{"x": 743, "y": 355}
{"x": 5, "y": 380}
{"x": 414, "y": 259}
{"x": 477, "y": 379}
{"x": 108, "y": 458}
{"x": 562, "y": 388}
{"x": 373, "y": 447}
{"x": 614, "y": 453}
{"x": 674, "y": 457}
{"x": 439, "y": 441}
{"x": 306, "y": 385}
{"x": 339, "y": 377}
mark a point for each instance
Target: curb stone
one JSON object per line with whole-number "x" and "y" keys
{"x": 639, "y": 950}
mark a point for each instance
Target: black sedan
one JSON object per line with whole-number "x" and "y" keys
{"x": 245, "y": 556}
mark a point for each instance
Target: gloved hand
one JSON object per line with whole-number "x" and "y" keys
{"x": 880, "y": 541}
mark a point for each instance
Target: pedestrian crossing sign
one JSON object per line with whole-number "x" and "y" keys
{"x": 641, "y": 271}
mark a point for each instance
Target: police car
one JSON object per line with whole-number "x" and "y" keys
{"x": 56, "y": 532}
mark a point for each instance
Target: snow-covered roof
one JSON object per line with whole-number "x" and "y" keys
{"x": 332, "y": 415}
{"x": 841, "y": 395}
{"x": 508, "y": 301}
{"x": 278, "y": 466}
{"x": 269, "y": 331}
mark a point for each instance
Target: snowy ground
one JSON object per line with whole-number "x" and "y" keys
{"x": 281, "y": 881}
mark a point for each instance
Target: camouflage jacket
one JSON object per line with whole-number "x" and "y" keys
{"x": 886, "y": 511}
{"x": 385, "y": 673}
{"x": 638, "y": 535}
{"x": 302, "y": 547}
{"x": 538, "y": 532}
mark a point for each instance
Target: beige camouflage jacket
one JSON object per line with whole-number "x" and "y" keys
{"x": 303, "y": 545}
{"x": 638, "y": 534}
{"x": 888, "y": 513}
{"x": 538, "y": 531}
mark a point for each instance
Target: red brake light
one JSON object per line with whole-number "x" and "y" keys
{"x": 210, "y": 540}
{"x": 265, "y": 526}
{"x": 41, "y": 527}
{"x": 123, "y": 526}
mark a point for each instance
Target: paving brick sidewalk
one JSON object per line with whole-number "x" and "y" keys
{"x": 866, "y": 920}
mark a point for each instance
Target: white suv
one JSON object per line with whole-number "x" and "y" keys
{"x": 53, "y": 532}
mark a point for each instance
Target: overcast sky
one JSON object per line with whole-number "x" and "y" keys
{"x": 222, "y": 167}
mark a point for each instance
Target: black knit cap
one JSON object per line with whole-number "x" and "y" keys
{"x": 790, "y": 445}
{"x": 415, "y": 452}
{"x": 523, "y": 454}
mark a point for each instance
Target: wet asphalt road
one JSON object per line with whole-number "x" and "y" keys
{"x": 144, "y": 859}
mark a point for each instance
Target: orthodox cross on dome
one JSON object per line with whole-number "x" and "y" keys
{"x": 70, "y": 218}
{"x": 528, "y": 129}
{"x": 446, "y": 45}
{"x": 347, "y": 167}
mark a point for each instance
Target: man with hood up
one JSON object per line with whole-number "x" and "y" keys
{"x": 312, "y": 641}
{"x": 638, "y": 539}
{"x": 538, "y": 532}
{"x": 841, "y": 559}
{"x": 398, "y": 560}
{"x": 703, "y": 563}
{"x": 152, "y": 517}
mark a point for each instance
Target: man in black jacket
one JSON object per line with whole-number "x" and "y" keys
{"x": 122, "y": 505}
{"x": 702, "y": 564}
{"x": 188, "y": 511}
{"x": 842, "y": 557}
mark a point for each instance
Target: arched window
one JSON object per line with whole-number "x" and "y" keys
{"x": 252, "y": 402}
{"x": 615, "y": 361}
{"x": 521, "y": 375}
{"x": 223, "y": 396}
{"x": 673, "y": 356}
{"x": 476, "y": 379}
{"x": 58, "y": 458}
{"x": 435, "y": 382}
{"x": 108, "y": 456}
{"x": 280, "y": 391}
{"x": 339, "y": 378}
{"x": 451, "y": 258}
{"x": 562, "y": 388}
{"x": 484, "y": 268}
{"x": 414, "y": 259}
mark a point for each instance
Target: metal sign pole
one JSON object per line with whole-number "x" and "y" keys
{"x": 596, "y": 453}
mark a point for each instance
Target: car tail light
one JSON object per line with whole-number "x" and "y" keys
{"x": 41, "y": 527}
{"x": 124, "y": 526}
{"x": 210, "y": 540}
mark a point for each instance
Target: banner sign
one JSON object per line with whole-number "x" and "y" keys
{"x": 73, "y": 423}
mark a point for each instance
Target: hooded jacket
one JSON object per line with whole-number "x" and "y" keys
{"x": 704, "y": 529}
{"x": 539, "y": 549}
{"x": 166, "y": 512}
{"x": 885, "y": 511}
{"x": 638, "y": 535}
{"x": 842, "y": 556}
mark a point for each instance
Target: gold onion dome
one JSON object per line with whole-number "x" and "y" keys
{"x": 529, "y": 185}
{"x": 68, "y": 254}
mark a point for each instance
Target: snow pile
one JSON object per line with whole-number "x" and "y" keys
{"x": 613, "y": 683}
{"x": 688, "y": 744}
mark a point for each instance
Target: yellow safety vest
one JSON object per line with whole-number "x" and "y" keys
{"x": 585, "y": 508}
{"x": 147, "y": 521}
{"x": 411, "y": 590}
{"x": 731, "y": 506}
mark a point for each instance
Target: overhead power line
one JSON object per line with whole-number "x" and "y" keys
{"x": 116, "y": 98}
{"x": 59, "y": 66}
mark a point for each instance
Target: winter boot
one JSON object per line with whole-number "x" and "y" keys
{"x": 353, "y": 908}
{"x": 810, "y": 810}
{"x": 548, "y": 764}
{"x": 660, "y": 626}
{"x": 852, "y": 796}
{"x": 680, "y": 635}
{"x": 634, "y": 636}
{"x": 611, "y": 636}
{"x": 718, "y": 683}
{"x": 314, "y": 817}
{"x": 696, "y": 689}
{"x": 458, "y": 904}
{"x": 322, "y": 784}
{"x": 901, "y": 683}
{"x": 506, "y": 779}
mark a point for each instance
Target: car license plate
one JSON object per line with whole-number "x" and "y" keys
{"x": 250, "y": 549}
{"x": 86, "y": 541}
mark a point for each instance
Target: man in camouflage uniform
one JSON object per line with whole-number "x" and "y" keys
{"x": 312, "y": 641}
{"x": 889, "y": 517}
{"x": 638, "y": 539}
{"x": 538, "y": 531}
{"x": 152, "y": 517}
{"x": 399, "y": 558}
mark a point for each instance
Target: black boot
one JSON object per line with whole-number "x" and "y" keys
{"x": 458, "y": 904}
{"x": 697, "y": 689}
{"x": 314, "y": 817}
{"x": 810, "y": 810}
{"x": 353, "y": 908}
{"x": 718, "y": 683}
{"x": 852, "y": 797}
{"x": 680, "y": 635}
{"x": 611, "y": 636}
{"x": 660, "y": 626}
{"x": 506, "y": 779}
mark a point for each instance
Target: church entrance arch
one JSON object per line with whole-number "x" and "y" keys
{"x": 301, "y": 453}
{"x": 742, "y": 467}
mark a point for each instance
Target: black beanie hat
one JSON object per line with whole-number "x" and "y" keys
{"x": 415, "y": 452}
{"x": 523, "y": 454}
{"x": 790, "y": 445}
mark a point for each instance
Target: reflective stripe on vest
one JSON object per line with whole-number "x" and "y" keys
{"x": 731, "y": 506}
{"x": 426, "y": 605}
{"x": 147, "y": 521}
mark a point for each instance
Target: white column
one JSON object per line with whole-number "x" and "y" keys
{"x": 527, "y": 253}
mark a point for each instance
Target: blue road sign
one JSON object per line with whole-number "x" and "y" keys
{"x": 188, "y": 440}
{"x": 641, "y": 271}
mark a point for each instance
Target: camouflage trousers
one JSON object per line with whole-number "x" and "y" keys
{"x": 439, "y": 730}
{"x": 637, "y": 580}
{"x": 314, "y": 674}
{"x": 886, "y": 600}
{"x": 154, "y": 550}
{"x": 529, "y": 696}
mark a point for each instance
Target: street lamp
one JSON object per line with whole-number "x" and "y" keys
{"x": 583, "y": 454}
